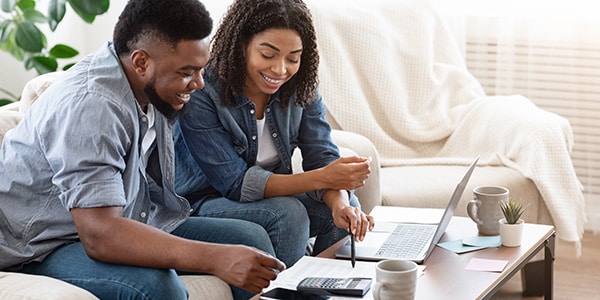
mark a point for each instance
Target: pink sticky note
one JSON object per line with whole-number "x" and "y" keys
{"x": 482, "y": 264}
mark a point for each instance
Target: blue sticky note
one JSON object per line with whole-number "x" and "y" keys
{"x": 458, "y": 247}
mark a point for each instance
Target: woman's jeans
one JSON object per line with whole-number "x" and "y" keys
{"x": 289, "y": 221}
{"x": 70, "y": 263}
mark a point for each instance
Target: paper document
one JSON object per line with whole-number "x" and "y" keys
{"x": 310, "y": 266}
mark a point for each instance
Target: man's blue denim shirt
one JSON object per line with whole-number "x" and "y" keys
{"x": 216, "y": 146}
{"x": 79, "y": 145}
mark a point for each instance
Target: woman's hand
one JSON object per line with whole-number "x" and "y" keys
{"x": 345, "y": 173}
{"x": 354, "y": 219}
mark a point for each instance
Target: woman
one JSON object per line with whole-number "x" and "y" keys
{"x": 235, "y": 141}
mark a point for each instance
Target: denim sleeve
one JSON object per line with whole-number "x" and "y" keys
{"x": 314, "y": 140}
{"x": 210, "y": 134}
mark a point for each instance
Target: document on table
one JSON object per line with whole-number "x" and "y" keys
{"x": 309, "y": 266}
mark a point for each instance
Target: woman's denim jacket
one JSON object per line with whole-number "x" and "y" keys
{"x": 216, "y": 146}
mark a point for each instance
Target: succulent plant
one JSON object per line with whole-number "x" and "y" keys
{"x": 512, "y": 210}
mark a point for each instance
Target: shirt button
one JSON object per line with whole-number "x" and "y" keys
{"x": 254, "y": 138}
{"x": 274, "y": 134}
{"x": 268, "y": 109}
{"x": 144, "y": 119}
{"x": 252, "y": 111}
{"x": 143, "y": 214}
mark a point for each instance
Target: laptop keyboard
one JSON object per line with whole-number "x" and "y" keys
{"x": 406, "y": 241}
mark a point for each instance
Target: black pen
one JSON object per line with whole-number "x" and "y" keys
{"x": 352, "y": 249}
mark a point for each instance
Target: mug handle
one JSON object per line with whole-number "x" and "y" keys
{"x": 377, "y": 287}
{"x": 472, "y": 208}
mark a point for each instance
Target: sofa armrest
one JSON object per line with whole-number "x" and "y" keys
{"x": 354, "y": 144}
{"x": 370, "y": 194}
{"x": 34, "y": 88}
{"x": 9, "y": 118}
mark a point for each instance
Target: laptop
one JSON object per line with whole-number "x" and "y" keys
{"x": 409, "y": 241}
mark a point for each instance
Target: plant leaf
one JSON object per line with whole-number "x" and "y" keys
{"x": 5, "y": 29}
{"x": 8, "y": 5}
{"x": 43, "y": 64}
{"x": 88, "y": 10}
{"x": 26, "y": 4}
{"x": 63, "y": 51}
{"x": 10, "y": 46}
{"x": 68, "y": 66}
{"x": 95, "y": 8}
{"x": 29, "y": 37}
{"x": 4, "y": 101}
{"x": 33, "y": 15}
{"x": 56, "y": 12}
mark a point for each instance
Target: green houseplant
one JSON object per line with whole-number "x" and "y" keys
{"x": 21, "y": 36}
{"x": 511, "y": 226}
{"x": 512, "y": 210}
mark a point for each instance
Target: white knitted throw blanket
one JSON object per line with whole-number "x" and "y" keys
{"x": 391, "y": 71}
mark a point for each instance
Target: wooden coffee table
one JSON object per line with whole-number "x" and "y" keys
{"x": 445, "y": 276}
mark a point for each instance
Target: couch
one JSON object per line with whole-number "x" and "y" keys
{"x": 393, "y": 72}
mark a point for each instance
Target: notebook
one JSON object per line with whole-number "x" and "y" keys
{"x": 410, "y": 241}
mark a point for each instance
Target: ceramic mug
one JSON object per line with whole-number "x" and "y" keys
{"x": 484, "y": 208}
{"x": 395, "y": 279}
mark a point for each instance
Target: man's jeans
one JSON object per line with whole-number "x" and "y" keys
{"x": 70, "y": 263}
{"x": 289, "y": 221}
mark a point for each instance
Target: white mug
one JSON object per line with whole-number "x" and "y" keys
{"x": 395, "y": 279}
{"x": 484, "y": 208}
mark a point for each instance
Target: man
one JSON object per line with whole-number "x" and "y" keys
{"x": 86, "y": 178}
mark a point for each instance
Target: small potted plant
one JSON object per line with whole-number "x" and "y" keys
{"x": 511, "y": 226}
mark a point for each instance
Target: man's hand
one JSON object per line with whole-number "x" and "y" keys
{"x": 109, "y": 237}
{"x": 247, "y": 268}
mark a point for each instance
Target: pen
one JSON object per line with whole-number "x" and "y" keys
{"x": 352, "y": 249}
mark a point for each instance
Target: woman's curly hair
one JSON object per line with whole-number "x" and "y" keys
{"x": 246, "y": 18}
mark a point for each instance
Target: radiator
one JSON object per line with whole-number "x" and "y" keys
{"x": 559, "y": 76}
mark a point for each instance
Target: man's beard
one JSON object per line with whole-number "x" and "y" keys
{"x": 161, "y": 105}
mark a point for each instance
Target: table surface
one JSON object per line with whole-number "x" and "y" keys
{"x": 445, "y": 276}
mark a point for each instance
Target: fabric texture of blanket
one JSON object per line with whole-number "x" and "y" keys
{"x": 392, "y": 71}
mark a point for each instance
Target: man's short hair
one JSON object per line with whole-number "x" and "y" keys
{"x": 169, "y": 21}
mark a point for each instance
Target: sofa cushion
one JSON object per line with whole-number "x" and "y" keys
{"x": 17, "y": 286}
{"x": 432, "y": 186}
{"x": 206, "y": 287}
{"x": 8, "y": 120}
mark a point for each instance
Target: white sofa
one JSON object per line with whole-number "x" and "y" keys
{"x": 392, "y": 71}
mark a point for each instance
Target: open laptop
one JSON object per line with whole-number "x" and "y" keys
{"x": 410, "y": 241}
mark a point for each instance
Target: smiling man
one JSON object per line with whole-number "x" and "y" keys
{"x": 86, "y": 179}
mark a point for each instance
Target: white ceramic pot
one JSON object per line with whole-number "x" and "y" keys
{"x": 511, "y": 234}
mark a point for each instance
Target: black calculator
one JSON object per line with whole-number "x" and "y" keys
{"x": 335, "y": 286}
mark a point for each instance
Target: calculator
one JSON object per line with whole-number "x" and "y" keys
{"x": 335, "y": 286}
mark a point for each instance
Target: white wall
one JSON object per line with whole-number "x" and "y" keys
{"x": 82, "y": 36}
